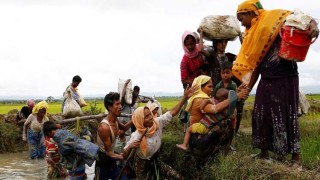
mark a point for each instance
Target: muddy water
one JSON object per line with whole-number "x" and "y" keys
{"x": 18, "y": 166}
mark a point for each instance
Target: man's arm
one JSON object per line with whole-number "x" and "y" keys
{"x": 105, "y": 136}
{"x": 126, "y": 126}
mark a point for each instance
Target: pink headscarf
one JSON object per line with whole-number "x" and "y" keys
{"x": 30, "y": 103}
{"x": 195, "y": 52}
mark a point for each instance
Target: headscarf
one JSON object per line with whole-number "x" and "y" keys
{"x": 30, "y": 102}
{"x": 258, "y": 39}
{"x": 200, "y": 80}
{"x": 195, "y": 52}
{"x": 153, "y": 105}
{"x": 138, "y": 119}
{"x": 40, "y": 105}
{"x": 250, "y": 5}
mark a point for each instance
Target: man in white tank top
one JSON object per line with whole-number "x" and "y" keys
{"x": 106, "y": 167}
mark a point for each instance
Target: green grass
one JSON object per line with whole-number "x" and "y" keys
{"x": 55, "y": 107}
{"x": 240, "y": 165}
{"x": 237, "y": 165}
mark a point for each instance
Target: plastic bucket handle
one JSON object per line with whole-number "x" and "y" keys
{"x": 294, "y": 43}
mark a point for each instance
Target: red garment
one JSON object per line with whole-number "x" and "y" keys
{"x": 52, "y": 150}
{"x": 190, "y": 67}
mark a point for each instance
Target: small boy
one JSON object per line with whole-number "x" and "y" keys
{"x": 208, "y": 120}
{"x": 55, "y": 168}
{"x": 226, "y": 82}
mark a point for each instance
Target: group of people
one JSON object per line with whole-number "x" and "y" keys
{"x": 275, "y": 115}
{"x": 215, "y": 86}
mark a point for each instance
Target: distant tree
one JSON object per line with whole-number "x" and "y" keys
{"x": 50, "y": 99}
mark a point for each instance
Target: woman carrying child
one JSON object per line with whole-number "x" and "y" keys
{"x": 209, "y": 141}
{"x": 208, "y": 121}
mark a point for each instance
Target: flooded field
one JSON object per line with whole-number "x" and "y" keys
{"x": 18, "y": 166}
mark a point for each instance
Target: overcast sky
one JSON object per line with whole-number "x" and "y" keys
{"x": 44, "y": 43}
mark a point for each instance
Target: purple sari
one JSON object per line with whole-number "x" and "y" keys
{"x": 275, "y": 115}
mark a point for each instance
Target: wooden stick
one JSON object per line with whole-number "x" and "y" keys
{"x": 90, "y": 117}
{"x": 132, "y": 152}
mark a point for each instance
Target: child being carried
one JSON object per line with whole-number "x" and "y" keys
{"x": 208, "y": 121}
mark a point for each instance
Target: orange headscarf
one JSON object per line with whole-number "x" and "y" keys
{"x": 258, "y": 39}
{"x": 138, "y": 119}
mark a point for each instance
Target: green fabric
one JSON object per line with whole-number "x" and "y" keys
{"x": 231, "y": 86}
{"x": 233, "y": 99}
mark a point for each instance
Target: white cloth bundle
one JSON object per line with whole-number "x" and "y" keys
{"x": 298, "y": 20}
{"x": 220, "y": 27}
{"x": 125, "y": 90}
{"x": 71, "y": 108}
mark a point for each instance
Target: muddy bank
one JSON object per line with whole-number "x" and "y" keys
{"x": 11, "y": 131}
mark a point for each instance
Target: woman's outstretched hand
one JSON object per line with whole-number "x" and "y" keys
{"x": 190, "y": 91}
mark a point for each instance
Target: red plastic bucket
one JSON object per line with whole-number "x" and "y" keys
{"x": 295, "y": 44}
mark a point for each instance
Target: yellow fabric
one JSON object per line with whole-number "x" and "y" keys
{"x": 258, "y": 39}
{"x": 199, "y": 128}
{"x": 40, "y": 105}
{"x": 200, "y": 80}
{"x": 82, "y": 101}
{"x": 250, "y": 5}
{"x": 77, "y": 128}
{"x": 138, "y": 119}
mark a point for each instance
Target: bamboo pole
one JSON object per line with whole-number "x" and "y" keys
{"x": 132, "y": 152}
{"x": 90, "y": 117}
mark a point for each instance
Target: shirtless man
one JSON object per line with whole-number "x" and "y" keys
{"x": 108, "y": 131}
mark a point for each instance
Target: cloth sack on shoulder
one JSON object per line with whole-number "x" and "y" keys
{"x": 220, "y": 27}
{"x": 71, "y": 108}
{"x": 125, "y": 90}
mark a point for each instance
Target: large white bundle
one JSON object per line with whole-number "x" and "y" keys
{"x": 125, "y": 90}
{"x": 71, "y": 108}
{"x": 220, "y": 27}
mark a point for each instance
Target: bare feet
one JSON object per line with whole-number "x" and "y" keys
{"x": 182, "y": 146}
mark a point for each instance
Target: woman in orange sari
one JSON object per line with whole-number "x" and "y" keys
{"x": 275, "y": 116}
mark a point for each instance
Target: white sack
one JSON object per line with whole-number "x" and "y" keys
{"x": 71, "y": 108}
{"x": 125, "y": 90}
{"x": 220, "y": 27}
